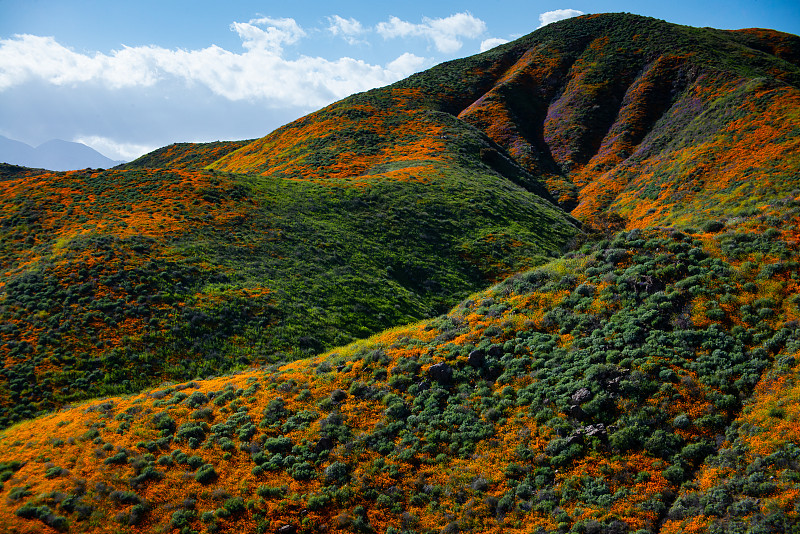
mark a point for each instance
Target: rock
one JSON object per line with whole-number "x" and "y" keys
{"x": 596, "y": 431}
{"x": 324, "y": 444}
{"x": 480, "y": 484}
{"x": 613, "y": 384}
{"x": 476, "y": 358}
{"x": 441, "y": 372}
{"x": 574, "y": 438}
{"x": 286, "y": 529}
{"x": 581, "y": 396}
{"x": 423, "y": 385}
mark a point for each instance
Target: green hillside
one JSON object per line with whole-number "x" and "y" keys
{"x": 184, "y": 155}
{"x": 656, "y": 122}
{"x": 120, "y": 279}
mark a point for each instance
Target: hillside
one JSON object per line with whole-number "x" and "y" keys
{"x": 117, "y": 280}
{"x": 661, "y": 124}
{"x": 294, "y": 333}
{"x": 658, "y": 123}
{"x": 608, "y": 391}
{"x": 184, "y": 155}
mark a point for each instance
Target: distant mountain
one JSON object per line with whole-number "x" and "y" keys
{"x": 55, "y": 155}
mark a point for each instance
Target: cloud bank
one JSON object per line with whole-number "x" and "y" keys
{"x": 488, "y": 44}
{"x": 348, "y": 29}
{"x": 261, "y": 72}
{"x": 121, "y": 151}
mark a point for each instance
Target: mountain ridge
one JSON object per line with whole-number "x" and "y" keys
{"x": 525, "y": 95}
{"x": 55, "y": 154}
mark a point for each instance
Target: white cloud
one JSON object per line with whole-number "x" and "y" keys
{"x": 113, "y": 149}
{"x": 398, "y": 28}
{"x": 488, "y": 44}
{"x": 276, "y": 33}
{"x": 29, "y": 56}
{"x": 348, "y": 29}
{"x": 407, "y": 63}
{"x": 127, "y": 101}
{"x": 446, "y": 33}
{"x": 261, "y": 72}
{"x": 549, "y": 17}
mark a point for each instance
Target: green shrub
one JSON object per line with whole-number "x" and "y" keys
{"x": 235, "y": 506}
{"x": 163, "y": 422}
{"x": 182, "y": 518}
{"x": 302, "y": 471}
{"x": 336, "y": 473}
{"x": 205, "y": 474}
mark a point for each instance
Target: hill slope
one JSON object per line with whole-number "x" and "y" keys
{"x": 120, "y": 279}
{"x": 656, "y": 122}
{"x": 600, "y": 392}
{"x": 184, "y": 155}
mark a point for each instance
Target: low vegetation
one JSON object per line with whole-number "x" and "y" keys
{"x": 116, "y": 280}
{"x": 607, "y": 390}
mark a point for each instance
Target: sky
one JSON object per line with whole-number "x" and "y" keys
{"x": 128, "y": 77}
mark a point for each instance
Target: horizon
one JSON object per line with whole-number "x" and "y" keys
{"x": 128, "y": 81}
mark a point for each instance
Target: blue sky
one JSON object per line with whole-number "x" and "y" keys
{"x": 128, "y": 77}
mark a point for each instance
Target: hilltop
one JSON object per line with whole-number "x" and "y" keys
{"x": 628, "y": 190}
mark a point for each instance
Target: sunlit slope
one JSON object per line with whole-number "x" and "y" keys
{"x": 660, "y": 123}
{"x": 382, "y": 135}
{"x": 349, "y": 139}
{"x": 115, "y": 280}
{"x": 184, "y": 155}
{"x": 594, "y": 393}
